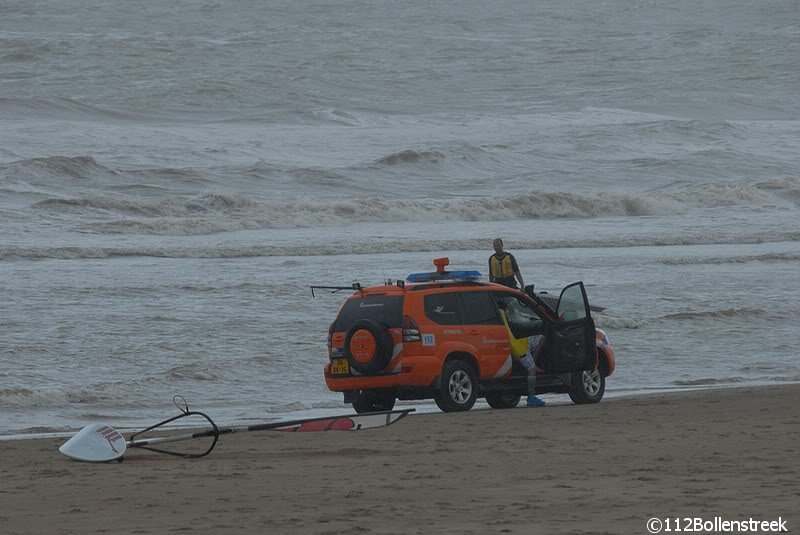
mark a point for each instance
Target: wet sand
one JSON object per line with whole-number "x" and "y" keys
{"x": 606, "y": 468}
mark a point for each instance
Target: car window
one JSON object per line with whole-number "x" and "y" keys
{"x": 571, "y": 305}
{"x": 522, "y": 319}
{"x": 444, "y": 309}
{"x": 384, "y": 309}
{"x": 480, "y": 308}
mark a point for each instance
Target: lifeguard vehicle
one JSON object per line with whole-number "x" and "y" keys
{"x": 449, "y": 336}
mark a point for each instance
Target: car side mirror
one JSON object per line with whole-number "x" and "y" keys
{"x": 529, "y": 290}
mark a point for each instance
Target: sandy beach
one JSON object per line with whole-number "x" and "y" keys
{"x": 606, "y": 468}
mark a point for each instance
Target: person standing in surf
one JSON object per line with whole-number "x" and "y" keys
{"x": 503, "y": 268}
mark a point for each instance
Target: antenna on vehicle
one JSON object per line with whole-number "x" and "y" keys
{"x": 380, "y": 260}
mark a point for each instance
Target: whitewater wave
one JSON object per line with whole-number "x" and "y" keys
{"x": 341, "y": 247}
{"x": 721, "y": 313}
{"x": 490, "y": 161}
{"x": 787, "y": 188}
{"x": 193, "y": 372}
{"x": 411, "y": 156}
{"x": 307, "y": 176}
{"x": 297, "y": 406}
{"x": 23, "y": 397}
{"x": 56, "y": 167}
{"x": 288, "y": 407}
{"x": 741, "y": 259}
{"x": 349, "y": 117}
{"x": 116, "y": 391}
{"x": 188, "y": 214}
{"x": 616, "y": 322}
{"x": 167, "y": 175}
{"x": 59, "y": 397}
{"x": 37, "y": 431}
{"x": 709, "y": 381}
{"x": 174, "y": 206}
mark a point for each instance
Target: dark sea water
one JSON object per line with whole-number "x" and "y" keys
{"x": 174, "y": 175}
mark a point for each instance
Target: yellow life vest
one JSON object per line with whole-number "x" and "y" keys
{"x": 501, "y": 269}
{"x": 519, "y": 346}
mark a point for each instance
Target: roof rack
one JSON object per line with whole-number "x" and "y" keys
{"x": 355, "y": 286}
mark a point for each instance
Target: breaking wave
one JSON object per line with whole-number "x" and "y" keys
{"x": 23, "y": 397}
{"x": 709, "y": 381}
{"x": 411, "y": 156}
{"x": 210, "y": 212}
{"x": 175, "y": 206}
{"x": 116, "y": 391}
{"x": 298, "y": 406}
{"x": 335, "y": 248}
{"x": 191, "y": 372}
{"x": 59, "y": 397}
{"x": 42, "y": 431}
{"x": 57, "y": 167}
{"x": 615, "y": 322}
{"x": 766, "y": 257}
{"x": 722, "y": 313}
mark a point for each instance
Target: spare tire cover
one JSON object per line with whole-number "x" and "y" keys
{"x": 368, "y": 347}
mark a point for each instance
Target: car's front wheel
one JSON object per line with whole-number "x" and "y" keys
{"x": 371, "y": 401}
{"x": 502, "y": 400}
{"x": 587, "y": 386}
{"x": 458, "y": 387}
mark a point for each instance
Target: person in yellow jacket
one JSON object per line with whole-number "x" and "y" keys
{"x": 526, "y": 350}
{"x": 503, "y": 268}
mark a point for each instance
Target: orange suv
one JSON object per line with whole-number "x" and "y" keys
{"x": 448, "y": 336}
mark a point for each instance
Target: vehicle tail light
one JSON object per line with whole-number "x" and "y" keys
{"x": 330, "y": 334}
{"x": 410, "y": 330}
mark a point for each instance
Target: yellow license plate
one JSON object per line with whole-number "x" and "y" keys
{"x": 340, "y": 367}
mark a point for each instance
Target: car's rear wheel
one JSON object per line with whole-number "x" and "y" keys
{"x": 372, "y": 401}
{"x": 587, "y": 386}
{"x": 458, "y": 387}
{"x": 502, "y": 400}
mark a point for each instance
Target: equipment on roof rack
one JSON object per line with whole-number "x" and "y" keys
{"x": 356, "y": 286}
{"x": 441, "y": 275}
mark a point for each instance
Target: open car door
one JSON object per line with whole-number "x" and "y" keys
{"x": 570, "y": 339}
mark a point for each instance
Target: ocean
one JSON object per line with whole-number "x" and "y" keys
{"x": 175, "y": 175}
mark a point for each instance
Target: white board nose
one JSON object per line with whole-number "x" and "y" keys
{"x": 95, "y": 443}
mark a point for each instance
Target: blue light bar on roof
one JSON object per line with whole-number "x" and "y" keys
{"x": 444, "y": 276}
